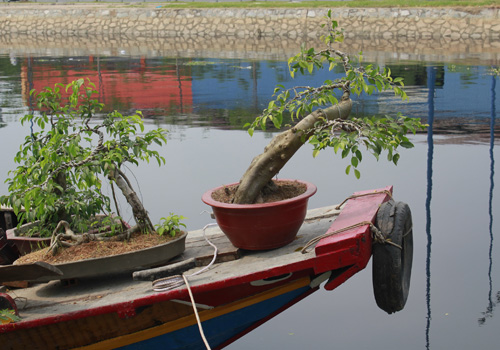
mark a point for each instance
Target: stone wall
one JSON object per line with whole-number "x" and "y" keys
{"x": 414, "y": 34}
{"x": 242, "y": 23}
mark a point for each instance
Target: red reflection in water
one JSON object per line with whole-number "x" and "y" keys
{"x": 152, "y": 90}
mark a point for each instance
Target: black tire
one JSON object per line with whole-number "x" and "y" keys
{"x": 391, "y": 265}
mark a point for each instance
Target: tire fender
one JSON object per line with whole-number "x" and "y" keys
{"x": 391, "y": 267}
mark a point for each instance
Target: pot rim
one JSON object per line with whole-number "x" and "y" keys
{"x": 207, "y": 197}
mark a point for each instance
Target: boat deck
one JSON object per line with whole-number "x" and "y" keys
{"x": 55, "y": 298}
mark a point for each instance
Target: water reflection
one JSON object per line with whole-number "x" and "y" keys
{"x": 431, "y": 79}
{"x": 230, "y": 93}
{"x": 123, "y": 84}
{"x": 491, "y": 304}
{"x": 30, "y": 83}
{"x": 449, "y": 161}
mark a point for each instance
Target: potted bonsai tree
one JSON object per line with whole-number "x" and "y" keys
{"x": 322, "y": 117}
{"x": 71, "y": 151}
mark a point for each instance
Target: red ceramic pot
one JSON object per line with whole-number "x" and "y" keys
{"x": 261, "y": 226}
{"x": 24, "y": 244}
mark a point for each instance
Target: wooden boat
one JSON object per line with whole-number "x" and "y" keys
{"x": 231, "y": 297}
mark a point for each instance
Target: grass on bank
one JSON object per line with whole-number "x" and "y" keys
{"x": 333, "y": 4}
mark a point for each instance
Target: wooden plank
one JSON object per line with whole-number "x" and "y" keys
{"x": 16, "y": 284}
{"x": 225, "y": 251}
{"x": 198, "y": 248}
{"x": 164, "y": 271}
{"x": 198, "y": 253}
{"x": 28, "y": 272}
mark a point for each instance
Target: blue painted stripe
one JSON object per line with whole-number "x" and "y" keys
{"x": 219, "y": 329}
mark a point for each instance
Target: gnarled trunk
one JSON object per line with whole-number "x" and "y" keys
{"x": 281, "y": 148}
{"x": 140, "y": 214}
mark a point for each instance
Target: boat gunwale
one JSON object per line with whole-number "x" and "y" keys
{"x": 122, "y": 307}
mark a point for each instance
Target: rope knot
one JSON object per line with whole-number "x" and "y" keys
{"x": 377, "y": 236}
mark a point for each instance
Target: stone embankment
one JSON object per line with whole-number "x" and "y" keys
{"x": 150, "y": 21}
{"x": 117, "y": 29}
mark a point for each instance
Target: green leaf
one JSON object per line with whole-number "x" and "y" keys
{"x": 336, "y": 147}
{"x": 277, "y": 122}
{"x": 407, "y": 144}
{"x": 310, "y": 67}
{"x": 359, "y": 155}
{"x": 332, "y": 99}
{"x": 345, "y": 152}
{"x": 395, "y": 159}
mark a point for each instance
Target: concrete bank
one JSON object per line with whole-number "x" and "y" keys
{"x": 149, "y": 21}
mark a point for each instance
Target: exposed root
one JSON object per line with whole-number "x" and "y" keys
{"x": 68, "y": 238}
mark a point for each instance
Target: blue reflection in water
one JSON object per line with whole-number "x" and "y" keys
{"x": 491, "y": 304}
{"x": 431, "y": 79}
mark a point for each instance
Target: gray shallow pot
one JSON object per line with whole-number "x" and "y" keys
{"x": 121, "y": 263}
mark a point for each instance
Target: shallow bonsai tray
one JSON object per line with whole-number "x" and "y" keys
{"x": 121, "y": 263}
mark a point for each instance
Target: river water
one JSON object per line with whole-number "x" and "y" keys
{"x": 448, "y": 179}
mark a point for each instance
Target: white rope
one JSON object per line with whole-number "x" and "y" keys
{"x": 168, "y": 283}
{"x": 207, "y": 345}
{"x": 171, "y": 282}
{"x": 215, "y": 252}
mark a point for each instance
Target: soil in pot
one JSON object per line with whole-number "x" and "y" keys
{"x": 280, "y": 191}
{"x": 96, "y": 249}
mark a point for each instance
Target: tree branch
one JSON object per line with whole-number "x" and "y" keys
{"x": 281, "y": 148}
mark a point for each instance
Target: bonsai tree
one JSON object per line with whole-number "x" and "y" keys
{"x": 323, "y": 116}
{"x": 63, "y": 165}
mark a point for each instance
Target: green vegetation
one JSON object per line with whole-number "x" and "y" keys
{"x": 322, "y": 115}
{"x": 377, "y": 134}
{"x": 71, "y": 150}
{"x": 8, "y": 316}
{"x": 171, "y": 224}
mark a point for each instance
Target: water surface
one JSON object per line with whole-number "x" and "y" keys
{"x": 448, "y": 180}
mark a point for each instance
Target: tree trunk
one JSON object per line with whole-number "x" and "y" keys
{"x": 281, "y": 148}
{"x": 60, "y": 179}
{"x": 140, "y": 214}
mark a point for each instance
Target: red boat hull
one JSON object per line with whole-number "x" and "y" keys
{"x": 147, "y": 319}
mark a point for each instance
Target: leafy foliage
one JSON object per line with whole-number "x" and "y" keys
{"x": 8, "y": 316}
{"x": 376, "y": 134}
{"x": 111, "y": 224}
{"x": 62, "y": 164}
{"x": 171, "y": 225}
